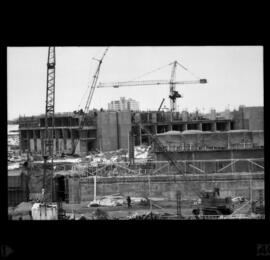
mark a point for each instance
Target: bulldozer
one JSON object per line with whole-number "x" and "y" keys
{"x": 213, "y": 204}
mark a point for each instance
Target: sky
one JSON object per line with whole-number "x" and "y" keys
{"x": 234, "y": 75}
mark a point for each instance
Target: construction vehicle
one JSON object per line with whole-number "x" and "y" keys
{"x": 173, "y": 94}
{"x": 85, "y": 111}
{"x": 213, "y": 204}
{"x": 258, "y": 206}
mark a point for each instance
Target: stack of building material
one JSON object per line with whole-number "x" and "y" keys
{"x": 44, "y": 212}
{"x": 141, "y": 152}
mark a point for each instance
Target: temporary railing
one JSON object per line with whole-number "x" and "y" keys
{"x": 193, "y": 147}
{"x": 164, "y": 168}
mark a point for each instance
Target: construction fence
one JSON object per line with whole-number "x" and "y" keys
{"x": 164, "y": 167}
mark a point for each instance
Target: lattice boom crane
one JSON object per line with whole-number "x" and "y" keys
{"x": 49, "y": 114}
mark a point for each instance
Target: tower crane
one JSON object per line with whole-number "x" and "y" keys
{"x": 49, "y": 115}
{"x": 173, "y": 94}
{"x": 89, "y": 98}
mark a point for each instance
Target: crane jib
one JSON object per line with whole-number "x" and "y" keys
{"x": 149, "y": 82}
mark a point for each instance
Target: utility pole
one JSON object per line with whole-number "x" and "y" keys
{"x": 149, "y": 186}
{"x": 178, "y": 200}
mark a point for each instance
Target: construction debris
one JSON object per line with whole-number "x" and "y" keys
{"x": 100, "y": 214}
{"x": 141, "y": 152}
{"x": 14, "y": 166}
{"x": 107, "y": 157}
{"x": 23, "y": 209}
{"x": 117, "y": 200}
{"x": 145, "y": 216}
{"x": 42, "y": 211}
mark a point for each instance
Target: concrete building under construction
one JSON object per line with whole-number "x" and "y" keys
{"x": 109, "y": 130}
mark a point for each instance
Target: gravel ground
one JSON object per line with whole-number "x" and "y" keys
{"x": 124, "y": 211}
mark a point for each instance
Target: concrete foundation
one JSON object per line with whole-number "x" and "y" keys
{"x": 236, "y": 184}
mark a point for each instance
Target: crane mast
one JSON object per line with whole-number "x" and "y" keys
{"x": 49, "y": 113}
{"x": 173, "y": 95}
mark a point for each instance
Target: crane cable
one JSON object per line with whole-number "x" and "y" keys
{"x": 182, "y": 66}
{"x": 147, "y": 73}
{"x": 84, "y": 95}
{"x": 162, "y": 67}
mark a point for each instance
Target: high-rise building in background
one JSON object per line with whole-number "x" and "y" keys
{"x": 124, "y": 104}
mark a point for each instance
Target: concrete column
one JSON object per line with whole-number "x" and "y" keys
{"x": 155, "y": 129}
{"x": 200, "y": 126}
{"x": 149, "y": 140}
{"x": 140, "y": 134}
{"x": 184, "y": 127}
{"x": 56, "y": 140}
{"x": 72, "y": 138}
{"x": 42, "y": 140}
{"x": 170, "y": 127}
{"x": 28, "y": 139}
{"x": 214, "y": 126}
{"x": 35, "y": 140}
{"x": 228, "y": 126}
{"x": 65, "y": 138}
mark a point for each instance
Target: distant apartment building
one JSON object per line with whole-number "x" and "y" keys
{"x": 124, "y": 104}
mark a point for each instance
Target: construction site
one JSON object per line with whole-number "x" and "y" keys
{"x": 103, "y": 164}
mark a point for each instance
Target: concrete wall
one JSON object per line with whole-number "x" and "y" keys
{"x": 213, "y": 155}
{"x": 124, "y": 126}
{"x": 254, "y": 115}
{"x": 167, "y": 186}
{"x": 251, "y": 118}
{"x": 217, "y": 139}
{"x": 61, "y": 147}
{"x": 107, "y": 132}
{"x": 74, "y": 188}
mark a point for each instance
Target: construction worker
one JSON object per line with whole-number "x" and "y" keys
{"x": 128, "y": 202}
{"x": 30, "y": 214}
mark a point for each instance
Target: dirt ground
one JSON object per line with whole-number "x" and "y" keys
{"x": 121, "y": 212}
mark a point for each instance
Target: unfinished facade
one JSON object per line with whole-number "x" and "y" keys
{"x": 109, "y": 130}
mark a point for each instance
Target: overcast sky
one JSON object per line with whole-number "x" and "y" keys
{"x": 234, "y": 74}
